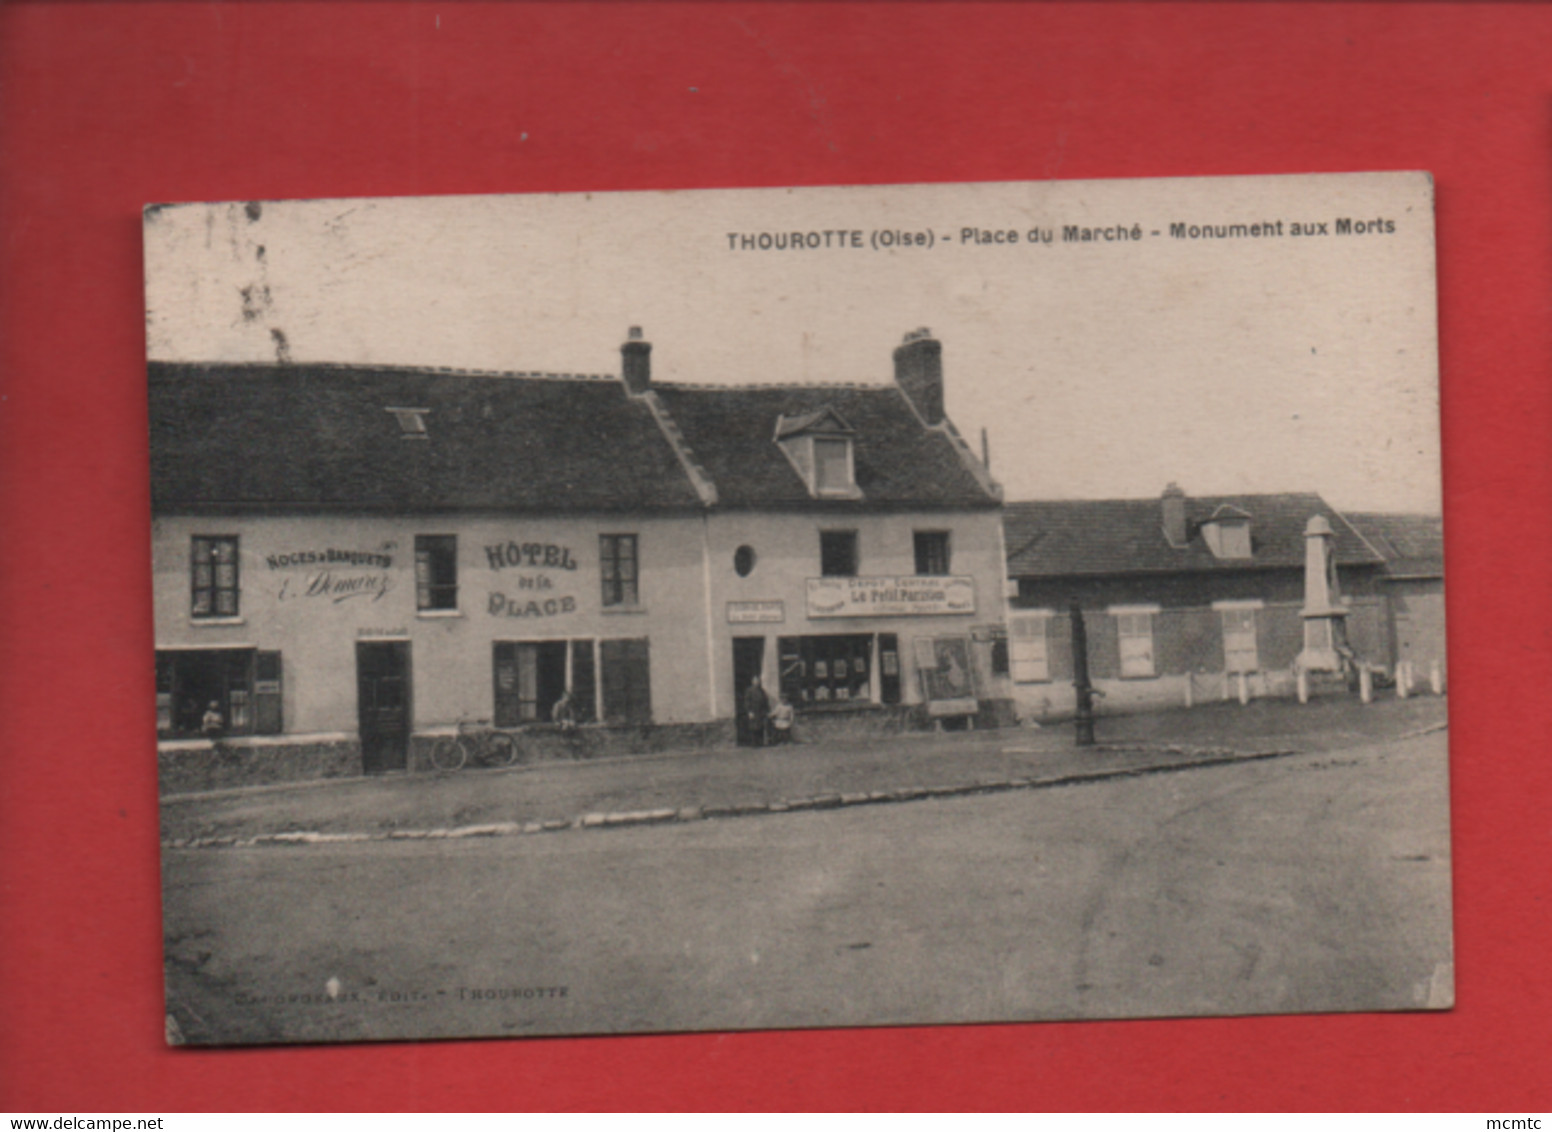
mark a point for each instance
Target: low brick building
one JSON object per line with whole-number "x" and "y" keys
{"x": 1412, "y": 584}
{"x": 1180, "y": 596}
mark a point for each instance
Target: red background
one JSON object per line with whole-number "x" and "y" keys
{"x": 106, "y": 106}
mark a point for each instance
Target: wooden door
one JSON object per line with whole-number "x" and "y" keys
{"x": 383, "y": 704}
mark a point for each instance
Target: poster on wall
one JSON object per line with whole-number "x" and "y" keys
{"x": 943, "y": 663}
{"x": 583, "y": 577}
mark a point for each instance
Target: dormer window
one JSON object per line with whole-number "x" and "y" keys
{"x": 832, "y": 465}
{"x": 819, "y": 445}
{"x": 1227, "y": 533}
{"x": 412, "y": 422}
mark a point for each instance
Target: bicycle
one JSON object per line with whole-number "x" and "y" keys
{"x": 477, "y": 741}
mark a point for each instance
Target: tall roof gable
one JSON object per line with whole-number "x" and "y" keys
{"x": 899, "y": 461}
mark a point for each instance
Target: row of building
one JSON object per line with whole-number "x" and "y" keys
{"x": 349, "y": 560}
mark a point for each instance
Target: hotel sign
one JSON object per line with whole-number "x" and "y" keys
{"x": 910, "y": 596}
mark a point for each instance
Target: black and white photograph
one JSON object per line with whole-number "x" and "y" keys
{"x": 787, "y": 608}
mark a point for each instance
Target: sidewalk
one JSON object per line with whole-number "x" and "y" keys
{"x": 736, "y": 781}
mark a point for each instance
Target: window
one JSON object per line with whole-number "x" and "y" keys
{"x": 826, "y": 670}
{"x": 215, "y": 576}
{"x": 1135, "y": 629}
{"x": 1028, "y": 657}
{"x": 832, "y": 465}
{"x": 818, "y": 445}
{"x": 1228, "y": 535}
{"x": 412, "y": 422}
{"x": 932, "y": 552}
{"x": 838, "y": 554}
{"x": 618, "y": 567}
{"x": 531, "y": 677}
{"x": 1239, "y": 638}
{"x": 243, "y": 684}
{"x": 1236, "y": 540}
{"x": 436, "y": 572}
{"x": 743, "y": 561}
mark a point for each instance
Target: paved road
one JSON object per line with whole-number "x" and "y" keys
{"x": 1312, "y": 883}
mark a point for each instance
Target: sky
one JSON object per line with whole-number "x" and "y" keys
{"x": 1099, "y": 368}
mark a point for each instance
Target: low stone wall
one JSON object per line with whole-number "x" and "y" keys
{"x": 185, "y": 767}
{"x": 873, "y": 720}
{"x": 548, "y": 744}
{"x": 194, "y": 765}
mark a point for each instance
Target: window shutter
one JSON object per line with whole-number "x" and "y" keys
{"x": 1136, "y": 640}
{"x": 268, "y": 715}
{"x": 627, "y": 683}
{"x": 504, "y": 666}
{"x": 1239, "y": 640}
{"x": 584, "y": 683}
{"x": 1027, "y": 653}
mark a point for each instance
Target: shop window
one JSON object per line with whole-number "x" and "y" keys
{"x": 215, "y": 576}
{"x": 1239, "y": 639}
{"x": 626, "y": 677}
{"x": 530, "y": 677}
{"x": 436, "y": 572}
{"x": 1028, "y": 653}
{"x": 619, "y": 569}
{"x": 838, "y": 554}
{"x": 932, "y": 555}
{"x": 826, "y": 670}
{"x": 1135, "y": 630}
{"x": 243, "y": 684}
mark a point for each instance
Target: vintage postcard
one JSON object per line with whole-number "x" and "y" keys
{"x": 809, "y": 607}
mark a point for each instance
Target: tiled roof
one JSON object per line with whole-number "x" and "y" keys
{"x": 322, "y": 436}
{"x": 1413, "y": 544}
{"x": 899, "y": 461}
{"x": 1126, "y": 536}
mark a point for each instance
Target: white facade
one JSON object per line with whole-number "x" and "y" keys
{"x": 314, "y": 589}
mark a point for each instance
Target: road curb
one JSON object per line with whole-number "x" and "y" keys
{"x": 594, "y": 820}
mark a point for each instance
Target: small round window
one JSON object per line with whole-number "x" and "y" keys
{"x": 743, "y": 560}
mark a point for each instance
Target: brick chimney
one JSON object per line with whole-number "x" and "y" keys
{"x": 636, "y": 362}
{"x": 1175, "y": 516}
{"x": 919, "y": 373}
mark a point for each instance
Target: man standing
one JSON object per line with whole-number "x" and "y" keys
{"x": 757, "y": 708}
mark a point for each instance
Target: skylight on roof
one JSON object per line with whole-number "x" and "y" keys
{"x": 412, "y": 422}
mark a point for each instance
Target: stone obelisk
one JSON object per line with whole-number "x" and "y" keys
{"x": 1325, "y": 618}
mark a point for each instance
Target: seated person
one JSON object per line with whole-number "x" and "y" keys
{"x": 564, "y": 713}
